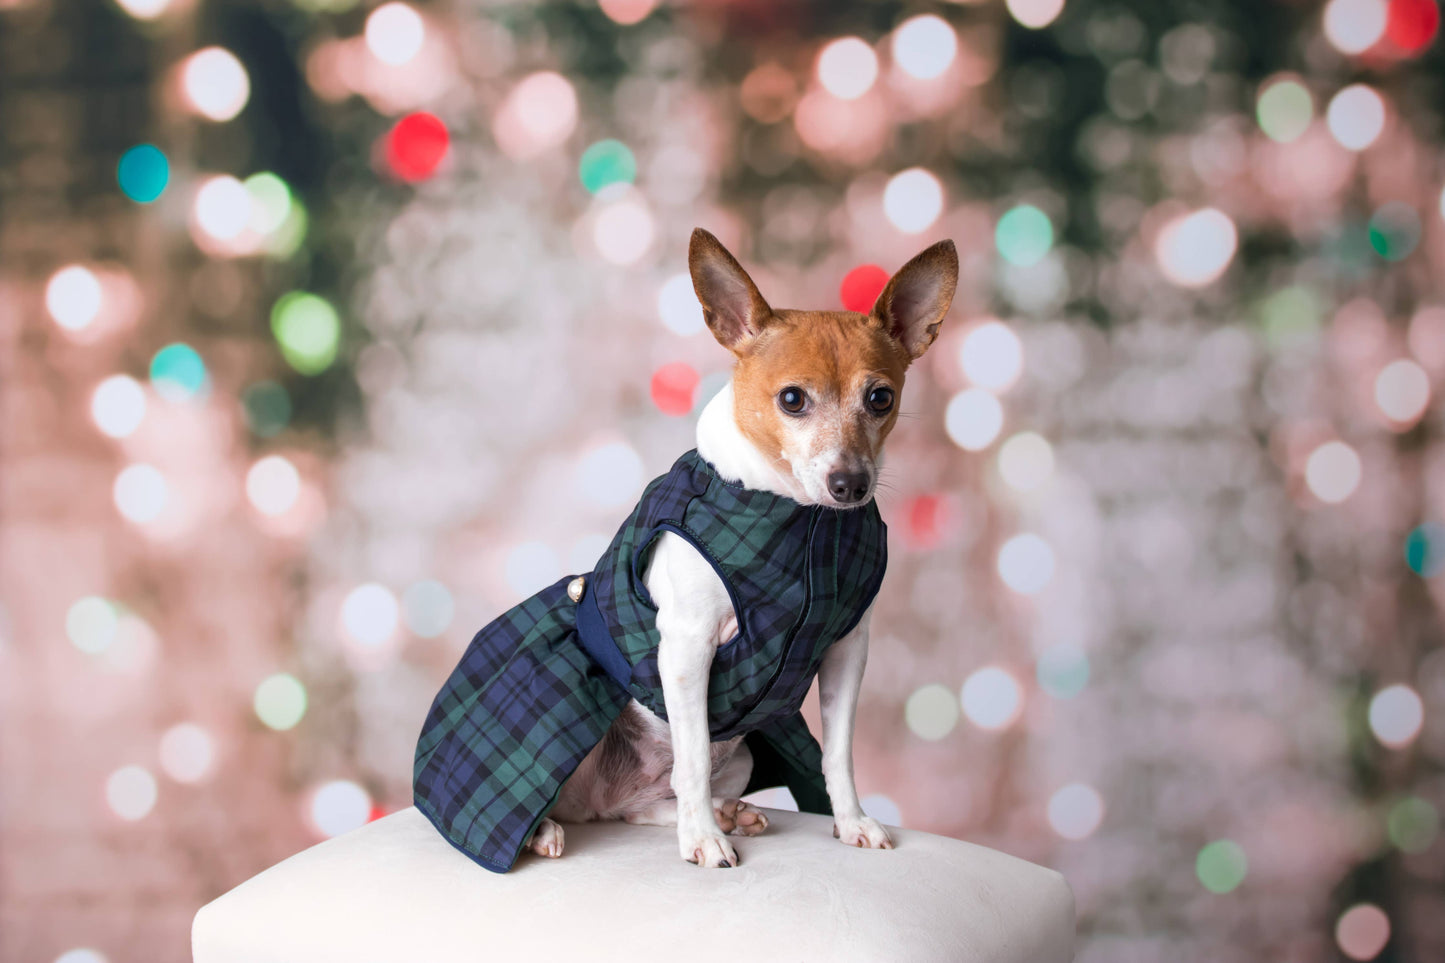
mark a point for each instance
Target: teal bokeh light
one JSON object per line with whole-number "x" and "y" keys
{"x": 1425, "y": 549}
{"x": 605, "y": 163}
{"x": 1063, "y": 671}
{"x": 143, "y": 173}
{"x": 1024, "y": 235}
{"x": 178, "y": 373}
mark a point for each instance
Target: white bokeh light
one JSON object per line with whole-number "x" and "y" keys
{"x": 215, "y": 83}
{"x": 339, "y": 807}
{"x": 223, "y": 207}
{"x": 273, "y": 484}
{"x": 187, "y": 752}
{"x": 1356, "y": 117}
{"x": 847, "y": 68}
{"x": 427, "y": 608}
{"x": 118, "y": 405}
{"x": 1026, "y": 564}
{"x": 141, "y": 493}
{"x": 1076, "y": 810}
{"x": 91, "y": 624}
{"x": 1354, "y": 26}
{"x": 531, "y": 566}
{"x": 143, "y": 10}
{"x": 623, "y": 231}
{"x": 1194, "y": 249}
{"x": 81, "y": 954}
{"x": 973, "y": 419}
{"x": 394, "y": 33}
{"x": 992, "y": 356}
{"x": 931, "y": 712}
{"x": 1396, "y": 715}
{"x": 913, "y": 200}
{"x": 924, "y": 46}
{"x": 370, "y": 613}
{"x": 1025, "y": 461}
{"x": 539, "y": 113}
{"x": 678, "y": 306}
{"x": 73, "y": 297}
{"x": 992, "y": 698}
{"x": 1402, "y": 390}
{"x": 610, "y": 475}
{"x": 1333, "y": 472}
{"x": 1035, "y": 13}
{"x": 131, "y": 792}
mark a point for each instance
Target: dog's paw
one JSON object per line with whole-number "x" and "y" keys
{"x": 708, "y": 849}
{"x": 865, "y": 832}
{"x": 739, "y": 818}
{"x": 547, "y": 840}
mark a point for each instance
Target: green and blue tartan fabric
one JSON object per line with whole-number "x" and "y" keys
{"x": 526, "y": 702}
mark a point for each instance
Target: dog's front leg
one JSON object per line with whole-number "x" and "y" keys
{"x": 839, "y": 679}
{"x": 684, "y": 659}
{"x": 694, "y": 615}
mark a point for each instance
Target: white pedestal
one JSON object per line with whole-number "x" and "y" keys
{"x": 394, "y": 891}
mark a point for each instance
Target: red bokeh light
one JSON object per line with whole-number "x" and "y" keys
{"x": 861, "y": 287}
{"x": 376, "y": 813}
{"x": 673, "y": 388}
{"x": 416, "y": 146}
{"x": 1412, "y": 24}
{"x": 928, "y": 520}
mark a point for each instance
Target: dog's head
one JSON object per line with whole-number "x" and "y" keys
{"x": 818, "y": 391}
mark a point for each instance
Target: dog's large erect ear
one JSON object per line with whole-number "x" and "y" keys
{"x": 915, "y": 299}
{"x": 731, "y": 304}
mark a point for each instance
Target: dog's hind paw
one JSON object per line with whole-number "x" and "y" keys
{"x": 865, "y": 832}
{"x": 740, "y": 818}
{"x": 548, "y": 839}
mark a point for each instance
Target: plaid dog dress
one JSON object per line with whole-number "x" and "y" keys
{"x": 538, "y": 687}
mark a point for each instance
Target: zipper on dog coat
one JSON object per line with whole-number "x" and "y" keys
{"x": 539, "y": 686}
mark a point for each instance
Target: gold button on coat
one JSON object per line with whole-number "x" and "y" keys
{"x": 574, "y": 588}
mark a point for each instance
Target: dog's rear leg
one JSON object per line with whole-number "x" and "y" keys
{"x": 547, "y": 839}
{"x": 734, "y": 816}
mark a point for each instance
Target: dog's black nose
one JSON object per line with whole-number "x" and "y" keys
{"x": 848, "y": 486}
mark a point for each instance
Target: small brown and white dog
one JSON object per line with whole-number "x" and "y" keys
{"x": 813, "y": 396}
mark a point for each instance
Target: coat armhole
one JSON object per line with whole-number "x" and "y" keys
{"x": 644, "y": 545}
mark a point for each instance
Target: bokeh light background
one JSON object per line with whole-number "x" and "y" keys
{"x": 332, "y": 330}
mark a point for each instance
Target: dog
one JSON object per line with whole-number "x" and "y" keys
{"x": 745, "y": 571}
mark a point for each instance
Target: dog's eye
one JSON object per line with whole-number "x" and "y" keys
{"x": 792, "y": 400}
{"x": 880, "y": 400}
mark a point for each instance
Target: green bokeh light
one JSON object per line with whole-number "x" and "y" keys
{"x": 1285, "y": 110}
{"x": 1412, "y": 824}
{"x": 1024, "y": 235}
{"x": 1394, "y": 231}
{"x": 268, "y": 408}
{"x": 143, "y": 173}
{"x": 178, "y": 373}
{"x": 1063, "y": 671}
{"x": 308, "y": 330}
{"x": 1290, "y": 314}
{"x": 1221, "y": 866}
{"x": 280, "y": 701}
{"x": 287, "y": 239}
{"x": 604, "y": 163}
{"x": 1425, "y": 549}
{"x": 270, "y": 201}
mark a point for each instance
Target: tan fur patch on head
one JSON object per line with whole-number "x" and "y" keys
{"x": 835, "y": 357}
